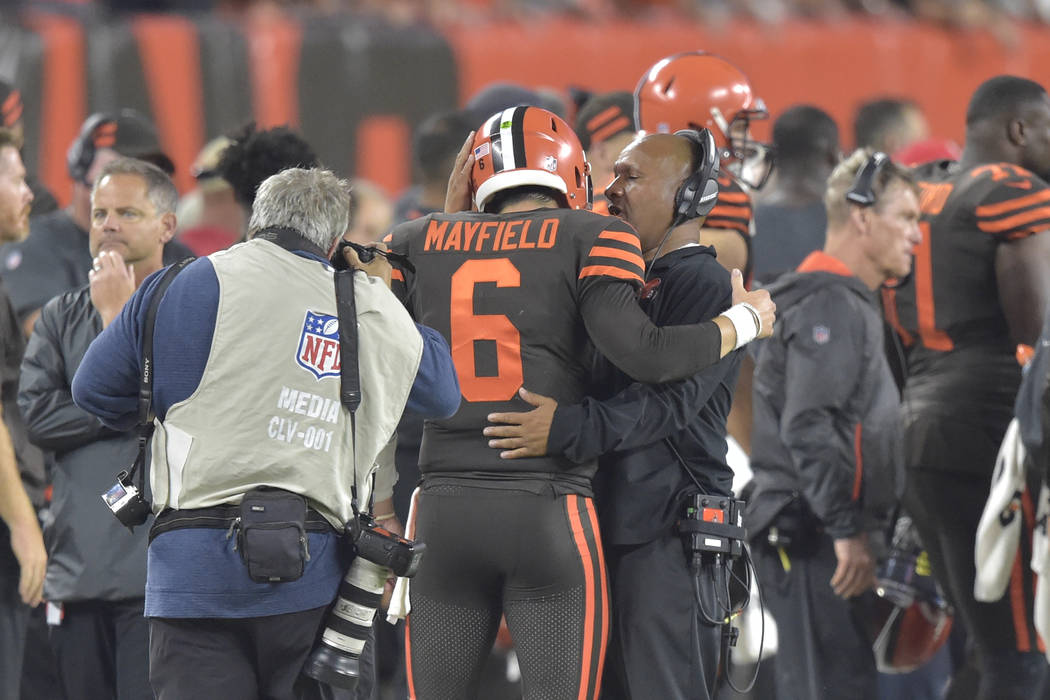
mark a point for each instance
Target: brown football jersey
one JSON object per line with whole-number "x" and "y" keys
{"x": 506, "y": 291}
{"x": 961, "y": 373}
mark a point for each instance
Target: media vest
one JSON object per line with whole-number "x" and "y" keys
{"x": 267, "y": 410}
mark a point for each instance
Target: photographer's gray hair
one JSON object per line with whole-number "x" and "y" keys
{"x": 314, "y": 202}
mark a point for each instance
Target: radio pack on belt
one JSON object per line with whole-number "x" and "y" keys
{"x": 714, "y": 524}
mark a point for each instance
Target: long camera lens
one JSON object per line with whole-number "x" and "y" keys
{"x": 347, "y": 625}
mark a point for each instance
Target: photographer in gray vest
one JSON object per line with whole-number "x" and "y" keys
{"x": 256, "y": 464}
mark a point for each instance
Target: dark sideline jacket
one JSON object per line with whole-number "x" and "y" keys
{"x": 91, "y": 556}
{"x": 826, "y": 408}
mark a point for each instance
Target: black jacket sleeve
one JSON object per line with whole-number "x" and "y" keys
{"x": 45, "y": 398}
{"x": 647, "y": 353}
{"x": 825, "y": 355}
{"x": 639, "y": 415}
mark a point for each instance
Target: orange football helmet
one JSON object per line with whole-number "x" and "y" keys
{"x": 523, "y": 146}
{"x": 698, "y": 90}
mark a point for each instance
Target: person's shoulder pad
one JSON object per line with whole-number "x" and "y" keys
{"x": 399, "y": 235}
{"x": 1009, "y": 202}
{"x": 935, "y": 170}
{"x": 732, "y": 211}
{"x": 610, "y": 246}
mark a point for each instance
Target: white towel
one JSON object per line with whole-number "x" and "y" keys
{"x": 999, "y": 531}
{"x": 400, "y": 605}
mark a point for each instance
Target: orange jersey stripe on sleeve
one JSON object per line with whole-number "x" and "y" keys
{"x": 609, "y": 271}
{"x": 734, "y": 197}
{"x": 990, "y": 210}
{"x": 630, "y": 239}
{"x": 730, "y": 224}
{"x": 619, "y": 253}
{"x": 729, "y": 211}
{"x": 1015, "y": 221}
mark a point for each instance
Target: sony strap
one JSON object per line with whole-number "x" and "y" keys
{"x": 147, "y": 372}
{"x": 349, "y": 372}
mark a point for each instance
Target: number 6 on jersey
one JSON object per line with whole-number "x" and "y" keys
{"x": 467, "y": 327}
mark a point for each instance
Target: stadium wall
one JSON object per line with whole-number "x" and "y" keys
{"x": 357, "y": 87}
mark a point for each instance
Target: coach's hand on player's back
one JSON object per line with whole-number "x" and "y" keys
{"x": 759, "y": 299}
{"x": 523, "y": 434}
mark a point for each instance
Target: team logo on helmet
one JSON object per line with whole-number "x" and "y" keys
{"x": 318, "y": 350}
{"x": 529, "y": 146}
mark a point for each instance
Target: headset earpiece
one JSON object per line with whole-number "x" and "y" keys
{"x": 862, "y": 193}
{"x": 81, "y": 153}
{"x": 698, "y": 194}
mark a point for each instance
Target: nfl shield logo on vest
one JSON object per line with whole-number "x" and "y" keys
{"x": 319, "y": 345}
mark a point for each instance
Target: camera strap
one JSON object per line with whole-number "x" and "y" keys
{"x": 349, "y": 372}
{"x": 146, "y": 415}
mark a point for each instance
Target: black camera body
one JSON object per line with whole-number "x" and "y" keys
{"x": 714, "y": 525}
{"x": 367, "y": 254}
{"x": 126, "y": 502}
{"x": 383, "y": 547}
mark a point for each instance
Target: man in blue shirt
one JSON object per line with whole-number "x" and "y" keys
{"x": 246, "y": 395}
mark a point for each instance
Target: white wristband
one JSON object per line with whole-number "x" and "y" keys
{"x": 746, "y": 322}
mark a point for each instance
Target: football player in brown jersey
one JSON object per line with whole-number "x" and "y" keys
{"x": 522, "y": 287}
{"x": 980, "y": 286}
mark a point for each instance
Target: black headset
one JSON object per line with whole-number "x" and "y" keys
{"x": 863, "y": 191}
{"x": 697, "y": 195}
{"x": 81, "y": 153}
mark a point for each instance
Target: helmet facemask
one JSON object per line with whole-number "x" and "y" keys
{"x": 748, "y": 161}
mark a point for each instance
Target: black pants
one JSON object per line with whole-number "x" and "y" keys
{"x": 536, "y": 559}
{"x": 14, "y": 615}
{"x": 102, "y": 650}
{"x": 661, "y": 646}
{"x": 232, "y": 659}
{"x": 824, "y": 651}
{"x": 946, "y": 508}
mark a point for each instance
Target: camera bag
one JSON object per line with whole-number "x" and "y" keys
{"x": 272, "y": 535}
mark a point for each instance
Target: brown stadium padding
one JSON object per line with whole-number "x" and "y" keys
{"x": 30, "y": 85}
{"x": 63, "y": 102}
{"x": 357, "y": 87}
{"x": 227, "y": 94}
{"x": 368, "y": 100}
{"x": 200, "y": 78}
{"x": 171, "y": 62}
{"x": 274, "y": 45}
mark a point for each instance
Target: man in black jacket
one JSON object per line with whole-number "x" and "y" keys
{"x": 96, "y": 574}
{"x": 55, "y": 258}
{"x": 825, "y": 433}
{"x": 658, "y": 443}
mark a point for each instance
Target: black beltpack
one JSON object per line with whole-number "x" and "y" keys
{"x": 272, "y": 535}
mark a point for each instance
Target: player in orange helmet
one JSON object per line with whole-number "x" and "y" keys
{"x": 698, "y": 90}
{"x": 525, "y": 286}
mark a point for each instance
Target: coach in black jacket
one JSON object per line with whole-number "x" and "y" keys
{"x": 657, "y": 444}
{"x": 824, "y": 443}
{"x": 96, "y": 571}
